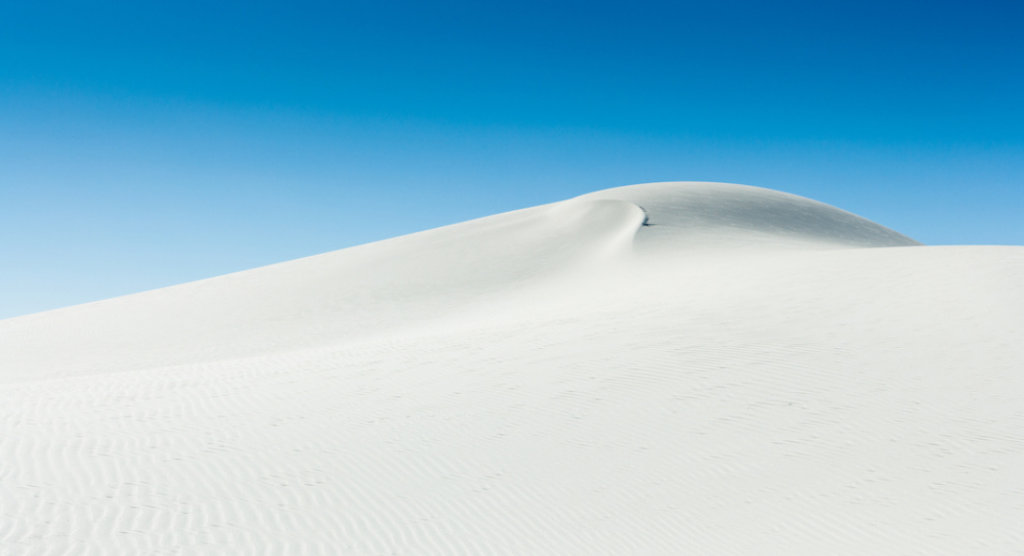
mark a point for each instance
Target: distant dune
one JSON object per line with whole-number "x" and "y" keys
{"x": 669, "y": 368}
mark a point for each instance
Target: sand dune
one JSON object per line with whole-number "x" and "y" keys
{"x": 676, "y": 368}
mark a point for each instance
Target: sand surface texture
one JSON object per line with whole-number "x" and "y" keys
{"x": 673, "y": 368}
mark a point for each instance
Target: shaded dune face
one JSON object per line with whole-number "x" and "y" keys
{"x": 717, "y": 216}
{"x": 671, "y": 368}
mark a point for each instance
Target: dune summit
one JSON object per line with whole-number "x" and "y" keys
{"x": 671, "y": 368}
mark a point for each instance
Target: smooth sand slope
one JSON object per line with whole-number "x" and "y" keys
{"x": 674, "y": 368}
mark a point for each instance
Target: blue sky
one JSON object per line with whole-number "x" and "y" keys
{"x": 144, "y": 144}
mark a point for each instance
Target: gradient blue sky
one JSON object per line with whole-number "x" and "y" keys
{"x": 144, "y": 144}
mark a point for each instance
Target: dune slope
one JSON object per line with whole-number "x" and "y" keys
{"x": 669, "y": 368}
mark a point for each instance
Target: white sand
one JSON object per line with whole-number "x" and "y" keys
{"x": 680, "y": 368}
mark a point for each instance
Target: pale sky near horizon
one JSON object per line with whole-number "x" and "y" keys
{"x": 148, "y": 144}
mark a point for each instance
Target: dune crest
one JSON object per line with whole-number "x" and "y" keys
{"x": 405, "y": 283}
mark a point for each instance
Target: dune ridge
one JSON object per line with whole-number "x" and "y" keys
{"x": 655, "y": 369}
{"x": 406, "y": 283}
